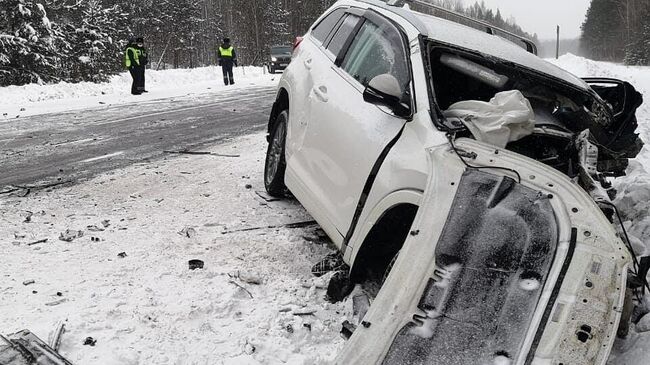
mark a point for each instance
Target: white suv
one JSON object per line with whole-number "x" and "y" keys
{"x": 388, "y": 127}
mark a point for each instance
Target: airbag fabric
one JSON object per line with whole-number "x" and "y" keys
{"x": 508, "y": 117}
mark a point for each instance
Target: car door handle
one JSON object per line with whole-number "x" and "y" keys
{"x": 307, "y": 63}
{"x": 321, "y": 93}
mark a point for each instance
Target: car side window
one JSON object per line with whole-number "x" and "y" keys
{"x": 323, "y": 29}
{"x": 342, "y": 34}
{"x": 377, "y": 50}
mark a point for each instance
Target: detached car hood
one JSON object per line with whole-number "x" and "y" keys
{"x": 498, "y": 271}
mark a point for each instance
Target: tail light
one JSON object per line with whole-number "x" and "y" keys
{"x": 297, "y": 42}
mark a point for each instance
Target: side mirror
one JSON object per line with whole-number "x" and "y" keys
{"x": 384, "y": 90}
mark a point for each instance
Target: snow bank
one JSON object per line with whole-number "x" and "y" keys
{"x": 33, "y": 99}
{"x": 634, "y": 189}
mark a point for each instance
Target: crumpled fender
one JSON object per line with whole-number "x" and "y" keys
{"x": 571, "y": 295}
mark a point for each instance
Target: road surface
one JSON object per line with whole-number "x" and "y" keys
{"x": 76, "y": 145}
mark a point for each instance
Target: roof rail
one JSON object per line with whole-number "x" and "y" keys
{"x": 455, "y": 17}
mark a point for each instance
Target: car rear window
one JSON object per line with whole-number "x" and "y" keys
{"x": 342, "y": 34}
{"x": 323, "y": 29}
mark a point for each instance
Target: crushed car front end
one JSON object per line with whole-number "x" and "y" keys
{"x": 514, "y": 256}
{"x": 508, "y": 262}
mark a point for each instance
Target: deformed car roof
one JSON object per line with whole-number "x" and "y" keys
{"x": 445, "y": 31}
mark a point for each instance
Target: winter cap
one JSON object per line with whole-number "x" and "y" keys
{"x": 226, "y": 40}
{"x": 139, "y": 40}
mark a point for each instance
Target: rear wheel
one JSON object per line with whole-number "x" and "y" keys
{"x": 275, "y": 164}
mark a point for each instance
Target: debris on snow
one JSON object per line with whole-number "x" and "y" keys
{"x": 249, "y": 349}
{"x": 121, "y": 255}
{"x": 195, "y": 264}
{"x": 70, "y": 235}
{"x": 340, "y": 286}
{"x": 89, "y": 341}
{"x": 28, "y": 282}
{"x": 94, "y": 228}
{"x": 54, "y": 340}
{"x": 37, "y": 242}
{"x": 286, "y": 225}
{"x": 264, "y": 195}
{"x": 188, "y": 232}
{"x": 186, "y": 152}
{"x": 242, "y": 288}
{"x": 347, "y": 329}
{"x": 331, "y": 262}
{"x": 304, "y": 312}
{"x": 247, "y": 277}
{"x": 56, "y": 302}
{"x": 28, "y": 217}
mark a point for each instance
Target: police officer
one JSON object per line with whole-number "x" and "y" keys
{"x": 227, "y": 59}
{"x": 135, "y": 58}
{"x": 144, "y": 61}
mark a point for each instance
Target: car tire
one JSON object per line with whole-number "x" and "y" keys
{"x": 271, "y": 70}
{"x": 275, "y": 164}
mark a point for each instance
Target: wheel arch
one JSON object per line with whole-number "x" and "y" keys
{"x": 383, "y": 234}
{"x": 281, "y": 103}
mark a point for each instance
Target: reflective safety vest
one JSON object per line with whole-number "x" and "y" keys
{"x": 136, "y": 56}
{"x": 226, "y": 52}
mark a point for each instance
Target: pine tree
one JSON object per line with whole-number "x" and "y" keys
{"x": 277, "y": 28}
{"x": 29, "y": 43}
{"x": 93, "y": 54}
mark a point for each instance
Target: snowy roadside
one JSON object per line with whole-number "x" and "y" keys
{"x": 33, "y": 99}
{"x": 148, "y": 307}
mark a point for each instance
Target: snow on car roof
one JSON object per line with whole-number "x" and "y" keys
{"x": 446, "y": 31}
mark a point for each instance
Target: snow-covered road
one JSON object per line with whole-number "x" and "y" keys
{"x": 247, "y": 306}
{"x": 73, "y": 145}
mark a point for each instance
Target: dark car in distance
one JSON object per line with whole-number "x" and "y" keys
{"x": 280, "y": 56}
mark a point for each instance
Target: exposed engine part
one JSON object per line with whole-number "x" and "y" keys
{"x": 587, "y": 153}
{"x": 589, "y": 177}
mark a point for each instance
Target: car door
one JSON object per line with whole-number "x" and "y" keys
{"x": 346, "y": 136}
{"x": 300, "y": 77}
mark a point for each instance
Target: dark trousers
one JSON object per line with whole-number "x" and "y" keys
{"x": 228, "y": 78}
{"x": 137, "y": 74}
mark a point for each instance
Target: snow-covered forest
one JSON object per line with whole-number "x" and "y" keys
{"x": 618, "y": 30}
{"x": 45, "y": 41}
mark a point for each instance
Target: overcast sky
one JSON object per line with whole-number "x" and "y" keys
{"x": 541, "y": 17}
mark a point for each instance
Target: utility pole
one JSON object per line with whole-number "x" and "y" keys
{"x": 557, "y": 44}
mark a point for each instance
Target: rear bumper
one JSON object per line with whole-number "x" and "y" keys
{"x": 568, "y": 314}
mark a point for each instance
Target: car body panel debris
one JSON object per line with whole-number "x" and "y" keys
{"x": 25, "y": 348}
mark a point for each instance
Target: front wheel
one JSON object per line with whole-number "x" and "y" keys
{"x": 275, "y": 164}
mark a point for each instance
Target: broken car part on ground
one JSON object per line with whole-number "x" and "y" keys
{"x": 498, "y": 164}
